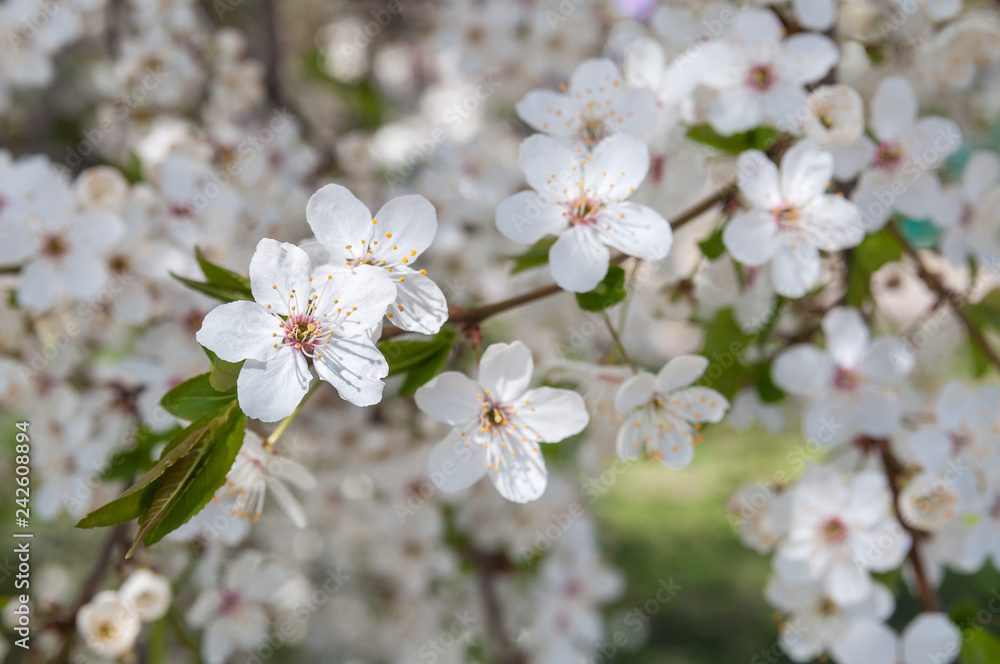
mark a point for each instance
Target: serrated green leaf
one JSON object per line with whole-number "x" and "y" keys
{"x": 537, "y": 255}
{"x": 608, "y": 293}
{"x": 759, "y": 138}
{"x": 183, "y": 491}
{"x": 138, "y": 458}
{"x": 224, "y": 374}
{"x": 195, "y": 398}
{"x": 220, "y": 276}
{"x": 131, "y": 504}
{"x": 222, "y": 293}
{"x": 712, "y": 246}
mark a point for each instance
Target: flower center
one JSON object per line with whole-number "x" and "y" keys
{"x": 826, "y": 607}
{"x": 55, "y": 246}
{"x": 181, "y": 210}
{"x": 119, "y": 264}
{"x": 230, "y": 599}
{"x": 888, "y": 155}
{"x": 302, "y": 331}
{"x": 834, "y": 531}
{"x": 493, "y": 417}
{"x": 846, "y": 380}
{"x": 761, "y": 78}
{"x": 787, "y": 217}
{"x": 593, "y": 128}
{"x": 583, "y": 211}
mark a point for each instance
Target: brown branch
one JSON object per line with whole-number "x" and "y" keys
{"x": 893, "y": 471}
{"x": 956, "y": 300}
{"x": 487, "y": 565}
{"x": 474, "y": 316}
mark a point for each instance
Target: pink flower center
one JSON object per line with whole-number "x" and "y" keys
{"x": 302, "y": 332}
{"x": 55, "y": 246}
{"x": 888, "y": 155}
{"x": 834, "y": 531}
{"x": 583, "y": 211}
{"x": 761, "y": 78}
{"x": 230, "y": 600}
{"x": 787, "y": 217}
{"x": 493, "y": 417}
{"x": 181, "y": 210}
{"x": 846, "y": 380}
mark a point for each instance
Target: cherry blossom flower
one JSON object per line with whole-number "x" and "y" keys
{"x": 759, "y": 75}
{"x": 851, "y": 386}
{"x": 835, "y": 115}
{"x": 581, "y": 199}
{"x": 146, "y": 593}
{"x": 817, "y": 622}
{"x": 842, "y": 528}
{"x": 254, "y": 472}
{"x": 791, "y": 217}
{"x": 597, "y": 103}
{"x": 663, "y": 413}
{"x": 896, "y": 171}
{"x": 300, "y": 315}
{"x": 393, "y": 240}
{"x": 108, "y": 626}
{"x": 969, "y": 211}
{"x": 497, "y": 423}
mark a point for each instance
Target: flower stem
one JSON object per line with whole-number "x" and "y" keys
{"x": 619, "y": 346}
{"x": 280, "y": 430}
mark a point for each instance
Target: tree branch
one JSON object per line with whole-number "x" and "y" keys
{"x": 956, "y": 300}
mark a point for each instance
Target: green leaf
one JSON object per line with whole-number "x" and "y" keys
{"x": 874, "y": 251}
{"x": 223, "y": 374}
{"x": 759, "y": 138}
{"x": 219, "y": 292}
{"x": 537, "y": 255}
{"x": 131, "y": 504}
{"x": 419, "y": 360}
{"x": 138, "y": 458}
{"x": 188, "y": 485}
{"x": 712, "y": 246}
{"x": 195, "y": 398}
{"x": 725, "y": 344}
{"x": 133, "y": 169}
{"x": 221, "y": 276}
{"x": 608, "y": 293}
{"x": 980, "y": 646}
{"x": 768, "y": 391}
{"x": 986, "y": 312}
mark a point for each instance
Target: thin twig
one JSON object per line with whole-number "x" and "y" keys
{"x": 944, "y": 293}
{"x": 619, "y": 346}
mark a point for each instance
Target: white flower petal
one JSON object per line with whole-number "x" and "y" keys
{"x": 456, "y": 462}
{"x": 846, "y": 336}
{"x": 452, "y": 398}
{"x": 578, "y": 260}
{"x": 420, "y": 305}
{"x": 805, "y": 172}
{"x": 803, "y": 370}
{"x": 39, "y": 286}
{"x": 629, "y": 440}
{"x": 240, "y": 330}
{"x": 634, "y": 392}
{"x": 505, "y": 371}
{"x": 275, "y": 269}
{"x": 405, "y": 227}
{"x": 815, "y": 15}
{"x": 795, "y": 268}
{"x": 806, "y": 57}
{"x": 355, "y": 367}
{"x": 930, "y": 639}
{"x": 865, "y": 642}
{"x": 269, "y": 391}
{"x": 636, "y": 230}
{"x": 337, "y": 219}
{"x": 549, "y": 166}
{"x": 551, "y": 414}
{"x": 520, "y": 477}
{"x": 527, "y": 217}
{"x": 751, "y": 237}
{"x": 758, "y": 180}
{"x": 549, "y": 112}
{"x": 619, "y": 166}
{"x": 893, "y": 108}
{"x": 680, "y": 372}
